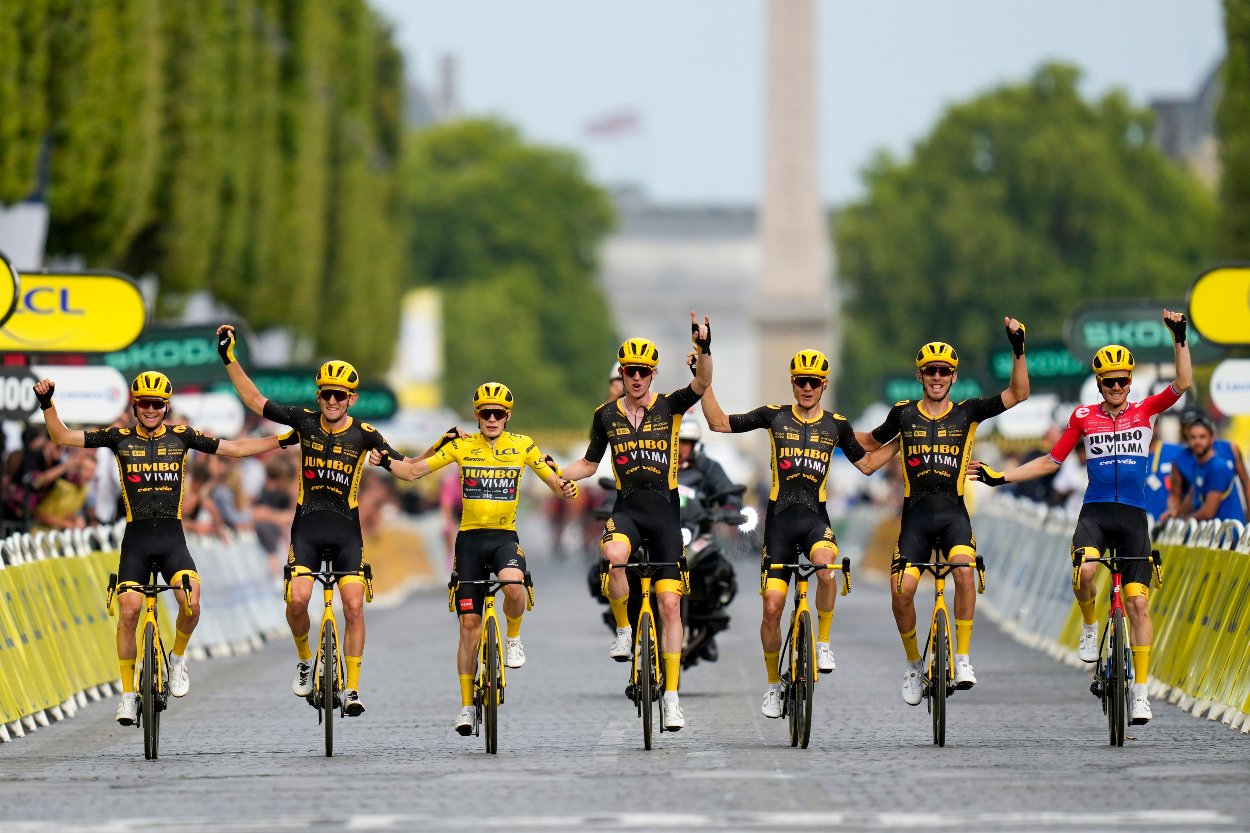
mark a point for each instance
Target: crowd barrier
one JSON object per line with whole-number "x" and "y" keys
{"x": 57, "y": 641}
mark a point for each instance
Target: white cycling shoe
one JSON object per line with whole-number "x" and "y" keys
{"x": 467, "y": 720}
{"x": 179, "y": 679}
{"x": 1139, "y": 711}
{"x": 824, "y": 658}
{"x": 772, "y": 702}
{"x": 674, "y": 717}
{"x": 913, "y": 688}
{"x": 513, "y": 653}
{"x": 623, "y": 645}
{"x": 128, "y": 709}
{"x": 965, "y": 677}
{"x": 1087, "y": 651}
{"x": 302, "y": 684}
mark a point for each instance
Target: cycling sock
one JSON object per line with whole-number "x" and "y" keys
{"x": 128, "y": 676}
{"x": 620, "y": 611}
{"x": 301, "y": 645}
{"x": 671, "y": 697}
{"x": 672, "y": 671}
{"x": 466, "y": 689}
{"x": 353, "y": 672}
{"x": 1088, "y": 614}
{"x": 1141, "y": 663}
{"x": 772, "y": 664}
{"x": 180, "y": 642}
{"x": 824, "y": 619}
{"x": 514, "y": 627}
{"x": 963, "y": 635}
{"x": 909, "y": 645}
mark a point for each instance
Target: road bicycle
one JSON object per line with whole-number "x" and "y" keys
{"x": 328, "y": 666}
{"x": 1113, "y": 673}
{"x": 152, "y": 670}
{"x": 938, "y": 682}
{"x": 798, "y": 680}
{"x": 646, "y": 673}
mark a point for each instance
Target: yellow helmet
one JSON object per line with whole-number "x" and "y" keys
{"x": 809, "y": 363}
{"x": 638, "y": 351}
{"x": 492, "y": 393}
{"x": 152, "y": 383}
{"x": 937, "y": 351}
{"x": 1114, "y": 358}
{"x": 338, "y": 374}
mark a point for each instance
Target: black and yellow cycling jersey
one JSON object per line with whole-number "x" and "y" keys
{"x": 802, "y": 450}
{"x": 935, "y": 450}
{"x": 490, "y": 476}
{"x": 331, "y": 462}
{"x": 151, "y": 467}
{"x": 644, "y": 457}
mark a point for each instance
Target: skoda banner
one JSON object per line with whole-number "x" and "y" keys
{"x": 1138, "y": 325}
{"x": 8, "y": 289}
{"x": 297, "y": 386}
{"x": 89, "y": 312}
{"x": 186, "y": 354}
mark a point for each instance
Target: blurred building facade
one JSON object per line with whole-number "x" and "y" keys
{"x": 1185, "y": 127}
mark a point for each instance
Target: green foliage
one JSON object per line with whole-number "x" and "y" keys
{"x": 23, "y": 78}
{"x": 510, "y": 231}
{"x": 1025, "y": 202}
{"x": 1233, "y": 129}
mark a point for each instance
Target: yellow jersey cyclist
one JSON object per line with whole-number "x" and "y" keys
{"x": 804, "y": 437}
{"x": 491, "y": 464}
{"x": 151, "y": 465}
{"x": 333, "y": 448}
{"x": 1116, "y": 434}
{"x": 640, "y": 430}
{"x": 937, "y": 435}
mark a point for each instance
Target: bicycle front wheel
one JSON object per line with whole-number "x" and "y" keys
{"x": 329, "y": 680}
{"x": 646, "y": 676}
{"x": 938, "y": 679}
{"x": 804, "y": 681}
{"x": 149, "y": 694}
{"x": 1117, "y": 680}
{"x": 492, "y": 684}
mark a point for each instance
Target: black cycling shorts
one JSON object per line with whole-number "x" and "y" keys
{"x": 479, "y": 553}
{"x": 1126, "y": 529}
{"x": 153, "y": 545}
{"x": 795, "y": 528}
{"x": 931, "y": 522}
{"x": 646, "y": 517}
{"x": 325, "y": 532}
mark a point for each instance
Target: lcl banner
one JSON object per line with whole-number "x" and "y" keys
{"x": 86, "y": 312}
{"x": 8, "y": 288}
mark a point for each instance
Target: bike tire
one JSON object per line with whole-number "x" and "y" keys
{"x": 491, "y": 689}
{"x": 329, "y": 677}
{"x": 1117, "y": 682}
{"x": 805, "y": 679}
{"x": 939, "y": 679}
{"x": 147, "y": 691}
{"x": 646, "y": 676}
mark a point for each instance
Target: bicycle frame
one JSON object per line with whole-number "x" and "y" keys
{"x": 150, "y": 591}
{"x": 328, "y": 579}
{"x": 803, "y": 571}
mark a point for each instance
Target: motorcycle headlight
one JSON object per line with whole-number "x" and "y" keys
{"x": 686, "y": 537}
{"x": 752, "y": 519}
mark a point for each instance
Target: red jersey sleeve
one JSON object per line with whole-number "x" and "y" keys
{"x": 1161, "y": 401}
{"x": 1071, "y": 436}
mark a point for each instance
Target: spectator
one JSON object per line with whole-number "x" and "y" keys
{"x": 63, "y": 501}
{"x": 274, "y": 509}
{"x": 225, "y": 490}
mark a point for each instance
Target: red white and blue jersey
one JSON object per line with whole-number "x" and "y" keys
{"x": 1117, "y": 448}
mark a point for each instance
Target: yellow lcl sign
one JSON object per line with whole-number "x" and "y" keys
{"x": 1219, "y": 305}
{"x": 88, "y": 312}
{"x": 8, "y": 289}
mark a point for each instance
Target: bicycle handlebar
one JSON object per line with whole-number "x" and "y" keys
{"x": 1111, "y": 561}
{"x": 939, "y": 569}
{"x": 149, "y": 590}
{"x": 807, "y": 568}
{"x": 455, "y": 582}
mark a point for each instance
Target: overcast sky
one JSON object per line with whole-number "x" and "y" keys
{"x": 693, "y": 70}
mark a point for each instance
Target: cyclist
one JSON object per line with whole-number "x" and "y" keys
{"x": 491, "y": 464}
{"x": 642, "y": 428}
{"x": 151, "y": 465}
{"x": 1117, "y": 437}
{"x": 804, "y": 438}
{"x": 333, "y": 447}
{"x": 1212, "y": 471}
{"x": 936, "y": 435}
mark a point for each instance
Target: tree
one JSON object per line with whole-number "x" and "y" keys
{"x": 1025, "y": 201}
{"x": 1233, "y": 129}
{"x": 510, "y": 232}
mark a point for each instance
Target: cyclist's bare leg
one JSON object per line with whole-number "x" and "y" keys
{"x": 903, "y": 604}
{"x": 352, "y": 594}
{"x": 470, "y": 635}
{"x": 617, "y": 553}
{"x": 1140, "y": 627}
{"x": 186, "y": 624}
{"x": 514, "y": 594}
{"x": 770, "y": 627}
{"x": 129, "y": 606}
{"x": 965, "y": 589}
{"x": 1089, "y": 574}
{"x": 670, "y": 615}
{"x": 826, "y": 584}
{"x": 297, "y": 607}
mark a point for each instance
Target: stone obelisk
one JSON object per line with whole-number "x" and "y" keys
{"x": 796, "y": 307}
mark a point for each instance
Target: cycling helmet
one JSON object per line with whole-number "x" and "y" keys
{"x": 638, "y": 351}
{"x": 690, "y": 431}
{"x": 937, "y": 351}
{"x": 151, "y": 383}
{"x": 809, "y": 363}
{"x": 338, "y": 374}
{"x": 1114, "y": 358}
{"x": 492, "y": 393}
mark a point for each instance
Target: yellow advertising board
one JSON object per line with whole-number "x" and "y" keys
{"x": 1219, "y": 305}
{"x": 8, "y": 288}
{"x": 87, "y": 312}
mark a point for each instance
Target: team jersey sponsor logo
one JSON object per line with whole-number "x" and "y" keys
{"x": 502, "y": 452}
{"x": 466, "y": 604}
{"x": 1131, "y": 441}
{"x": 1081, "y": 412}
{"x": 498, "y": 483}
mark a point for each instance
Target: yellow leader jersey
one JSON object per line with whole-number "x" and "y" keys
{"x": 490, "y": 476}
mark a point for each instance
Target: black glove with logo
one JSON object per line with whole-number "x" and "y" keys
{"x": 704, "y": 344}
{"x": 288, "y": 439}
{"x": 45, "y": 399}
{"x": 225, "y": 347}
{"x": 1178, "y": 329}
{"x": 990, "y": 477}
{"x": 386, "y": 459}
{"x": 1017, "y": 340}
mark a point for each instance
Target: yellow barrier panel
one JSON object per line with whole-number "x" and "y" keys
{"x": 37, "y": 689}
{"x": 13, "y": 697}
{"x": 1231, "y": 648}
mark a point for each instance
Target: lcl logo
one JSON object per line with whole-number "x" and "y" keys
{"x": 47, "y": 300}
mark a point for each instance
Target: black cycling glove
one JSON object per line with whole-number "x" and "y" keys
{"x": 1017, "y": 341}
{"x": 45, "y": 399}
{"x": 225, "y": 347}
{"x": 1177, "y": 328}
{"x": 704, "y": 344}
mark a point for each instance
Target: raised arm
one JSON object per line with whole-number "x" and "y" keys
{"x": 1176, "y": 322}
{"x": 716, "y": 417}
{"x": 1018, "y": 387}
{"x": 243, "y": 385}
{"x": 57, "y": 431}
{"x": 701, "y": 335}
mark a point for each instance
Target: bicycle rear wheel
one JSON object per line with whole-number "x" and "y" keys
{"x": 1117, "y": 680}
{"x": 804, "y": 680}
{"x": 938, "y": 680}
{"x": 149, "y": 694}
{"x": 646, "y": 676}
{"x": 491, "y": 687}
{"x": 329, "y": 678}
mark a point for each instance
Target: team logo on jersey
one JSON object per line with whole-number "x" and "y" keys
{"x": 466, "y": 604}
{"x": 1133, "y": 441}
{"x": 1081, "y": 412}
{"x": 506, "y": 451}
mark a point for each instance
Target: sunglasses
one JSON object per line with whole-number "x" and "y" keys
{"x": 333, "y": 395}
{"x": 152, "y": 404}
{"x": 807, "y": 382}
{"x": 1116, "y": 382}
{"x": 493, "y": 413}
{"x": 939, "y": 371}
{"x": 639, "y": 370}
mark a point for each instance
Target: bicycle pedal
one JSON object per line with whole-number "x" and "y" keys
{"x": 1095, "y": 688}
